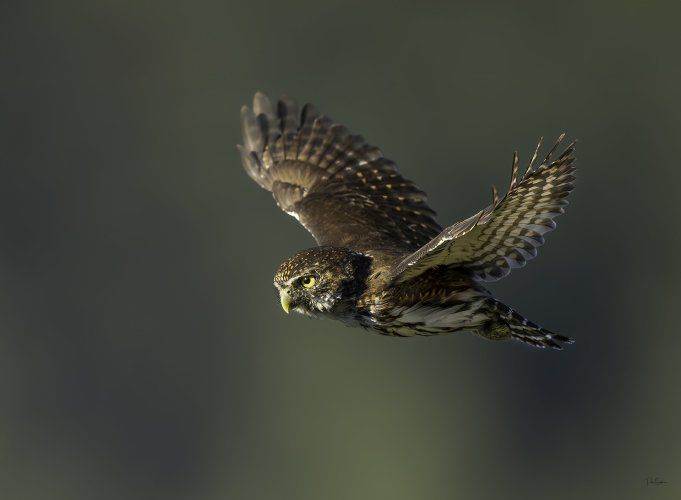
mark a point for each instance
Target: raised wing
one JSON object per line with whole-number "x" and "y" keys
{"x": 507, "y": 233}
{"x": 339, "y": 187}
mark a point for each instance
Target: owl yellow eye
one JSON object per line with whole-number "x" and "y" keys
{"x": 308, "y": 281}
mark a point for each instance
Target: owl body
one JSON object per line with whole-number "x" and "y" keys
{"x": 383, "y": 262}
{"x": 442, "y": 301}
{"x": 355, "y": 290}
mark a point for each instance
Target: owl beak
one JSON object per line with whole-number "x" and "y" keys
{"x": 285, "y": 300}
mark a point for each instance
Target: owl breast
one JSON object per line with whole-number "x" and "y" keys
{"x": 446, "y": 310}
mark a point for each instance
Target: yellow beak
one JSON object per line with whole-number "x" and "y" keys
{"x": 285, "y": 300}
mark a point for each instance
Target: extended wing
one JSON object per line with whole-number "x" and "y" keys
{"x": 507, "y": 233}
{"x": 339, "y": 187}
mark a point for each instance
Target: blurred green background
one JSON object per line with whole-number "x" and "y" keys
{"x": 143, "y": 352}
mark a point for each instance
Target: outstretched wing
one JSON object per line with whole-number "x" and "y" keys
{"x": 507, "y": 233}
{"x": 339, "y": 187}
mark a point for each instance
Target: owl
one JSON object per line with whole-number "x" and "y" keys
{"x": 382, "y": 261}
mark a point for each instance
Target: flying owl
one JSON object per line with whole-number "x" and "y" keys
{"x": 383, "y": 262}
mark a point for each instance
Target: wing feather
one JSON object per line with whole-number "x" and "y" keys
{"x": 507, "y": 233}
{"x": 339, "y": 187}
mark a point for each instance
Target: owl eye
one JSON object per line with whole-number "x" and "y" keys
{"x": 308, "y": 281}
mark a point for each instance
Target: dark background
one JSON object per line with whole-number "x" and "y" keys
{"x": 143, "y": 352}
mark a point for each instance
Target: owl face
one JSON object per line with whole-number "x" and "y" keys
{"x": 317, "y": 281}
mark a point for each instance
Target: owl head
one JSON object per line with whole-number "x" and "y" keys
{"x": 321, "y": 280}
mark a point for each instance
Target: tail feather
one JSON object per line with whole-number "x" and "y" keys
{"x": 511, "y": 324}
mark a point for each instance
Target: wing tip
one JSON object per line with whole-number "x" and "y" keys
{"x": 262, "y": 104}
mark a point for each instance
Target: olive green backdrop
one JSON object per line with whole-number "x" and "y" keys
{"x": 143, "y": 351}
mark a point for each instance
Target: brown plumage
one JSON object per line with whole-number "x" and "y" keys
{"x": 384, "y": 262}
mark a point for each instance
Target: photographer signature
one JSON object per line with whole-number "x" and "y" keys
{"x": 650, "y": 481}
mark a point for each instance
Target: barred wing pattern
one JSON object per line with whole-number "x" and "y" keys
{"x": 339, "y": 187}
{"x": 506, "y": 234}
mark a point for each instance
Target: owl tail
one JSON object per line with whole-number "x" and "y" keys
{"x": 506, "y": 324}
